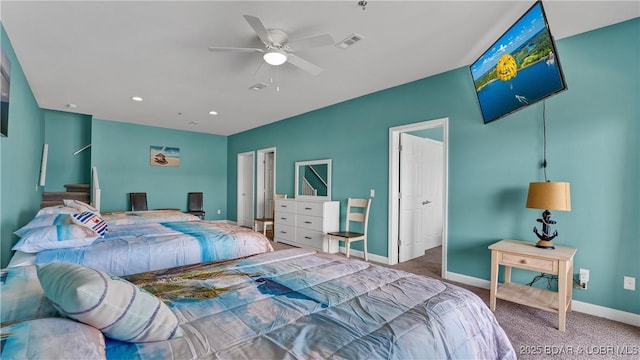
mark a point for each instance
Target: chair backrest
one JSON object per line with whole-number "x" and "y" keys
{"x": 358, "y": 210}
{"x": 138, "y": 201}
{"x": 273, "y": 203}
{"x": 195, "y": 201}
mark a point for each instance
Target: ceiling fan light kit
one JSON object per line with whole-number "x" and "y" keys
{"x": 275, "y": 57}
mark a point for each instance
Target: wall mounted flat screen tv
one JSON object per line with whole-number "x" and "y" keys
{"x": 521, "y": 68}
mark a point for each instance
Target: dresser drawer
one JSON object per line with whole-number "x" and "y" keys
{"x": 285, "y": 205}
{"x": 310, "y": 208}
{"x": 309, "y": 222}
{"x": 284, "y": 232}
{"x": 529, "y": 262}
{"x": 310, "y": 238}
{"x": 284, "y": 218}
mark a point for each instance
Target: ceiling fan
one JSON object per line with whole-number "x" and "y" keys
{"x": 277, "y": 47}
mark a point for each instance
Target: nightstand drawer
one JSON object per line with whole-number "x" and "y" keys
{"x": 528, "y": 262}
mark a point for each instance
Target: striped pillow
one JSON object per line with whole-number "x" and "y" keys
{"x": 91, "y": 221}
{"x": 118, "y": 308}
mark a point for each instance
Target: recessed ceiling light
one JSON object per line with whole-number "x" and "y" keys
{"x": 213, "y": 112}
{"x": 136, "y": 98}
{"x": 72, "y": 106}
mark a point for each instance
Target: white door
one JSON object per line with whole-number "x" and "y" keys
{"x": 245, "y": 189}
{"x": 420, "y": 215}
{"x": 268, "y": 184}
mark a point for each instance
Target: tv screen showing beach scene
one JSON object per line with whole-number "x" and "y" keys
{"x": 521, "y": 68}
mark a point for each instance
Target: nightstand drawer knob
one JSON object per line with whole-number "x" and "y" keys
{"x": 523, "y": 261}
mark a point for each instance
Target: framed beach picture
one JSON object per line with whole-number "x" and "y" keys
{"x": 164, "y": 156}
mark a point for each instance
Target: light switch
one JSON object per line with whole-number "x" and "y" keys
{"x": 372, "y": 193}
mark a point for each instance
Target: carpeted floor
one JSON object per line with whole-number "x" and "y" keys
{"x": 533, "y": 332}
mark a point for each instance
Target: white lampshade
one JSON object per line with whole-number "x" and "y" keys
{"x": 275, "y": 57}
{"x": 549, "y": 196}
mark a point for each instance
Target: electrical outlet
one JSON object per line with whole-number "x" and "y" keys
{"x": 584, "y": 278}
{"x": 372, "y": 193}
{"x": 219, "y": 211}
{"x": 630, "y": 283}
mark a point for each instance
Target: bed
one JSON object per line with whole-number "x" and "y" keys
{"x": 288, "y": 304}
{"x": 134, "y": 241}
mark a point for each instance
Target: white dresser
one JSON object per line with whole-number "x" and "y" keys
{"x": 304, "y": 223}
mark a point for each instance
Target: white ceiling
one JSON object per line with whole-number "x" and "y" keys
{"x": 98, "y": 54}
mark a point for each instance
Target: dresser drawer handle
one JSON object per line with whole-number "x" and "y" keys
{"x": 308, "y": 222}
{"x": 282, "y": 232}
{"x": 307, "y": 208}
{"x": 523, "y": 261}
{"x": 283, "y": 218}
{"x": 307, "y": 237}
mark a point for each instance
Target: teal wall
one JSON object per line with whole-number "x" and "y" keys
{"x": 65, "y": 133}
{"x": 20, "y": 155}
{"x": 592, "y": 134}
{"x": 593, "y": 137}
{"x": 121, "y": 152}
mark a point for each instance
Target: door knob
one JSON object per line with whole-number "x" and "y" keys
{"x": 426, "y": 202}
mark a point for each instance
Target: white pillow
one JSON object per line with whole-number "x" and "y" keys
{"x": 51, "y": 338}
{"x": 44, "y": 220}
{"x": 55, "y": 237}
{"x": 118, "y": 308}
{"x": 59, "y": 209}
{"x": 80, "y": 206}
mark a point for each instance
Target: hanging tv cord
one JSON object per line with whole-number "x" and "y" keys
{"x": 544, "y": 140}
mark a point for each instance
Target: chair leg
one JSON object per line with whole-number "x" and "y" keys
{"x": 255, "y": 226}
{"x": 264, "y": 229}
{"x": 347, "y": 245}
{"x": 366, "y": 257}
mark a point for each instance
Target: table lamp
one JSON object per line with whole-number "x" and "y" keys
{"x": 548, "y": 196}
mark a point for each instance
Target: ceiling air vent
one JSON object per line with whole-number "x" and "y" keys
{"x": 350, "y": 40}
{"x": 258, "y": 86}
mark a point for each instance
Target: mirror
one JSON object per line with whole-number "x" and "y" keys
{"x": 313, "y": 179}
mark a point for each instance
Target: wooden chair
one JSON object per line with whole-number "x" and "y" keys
{"x": 138, "y": 201}
{"x": 361, "y": 216}
{"x": 268, "y": 220}
{"x": 194, "y": 206}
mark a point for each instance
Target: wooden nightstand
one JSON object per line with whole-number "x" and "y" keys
{"x": 525, "y": 255}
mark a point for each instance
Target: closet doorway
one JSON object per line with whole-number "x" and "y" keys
{"x": 266, "y": 182}
{"x": 418, "y": 190}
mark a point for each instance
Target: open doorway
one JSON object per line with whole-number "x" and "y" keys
{"x": 417, "y": 214}
{"x": 266, "y": 182}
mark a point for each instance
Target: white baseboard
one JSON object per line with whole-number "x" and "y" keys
{"x": 360, "y": 254}
{"x": 579, "y": 306}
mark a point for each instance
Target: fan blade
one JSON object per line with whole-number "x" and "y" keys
{"x": 316, "y": 41}
{"x": 304, "y": 64}
{"x": 222, "y": 48}
{"x": 259, "y": 28}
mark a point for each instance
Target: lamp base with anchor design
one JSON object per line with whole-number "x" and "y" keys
{"x": 545, "y": 237}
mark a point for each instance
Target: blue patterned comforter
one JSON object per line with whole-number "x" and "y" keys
{"x": 139, "y": 247}
{"x": 297, "y": 304}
